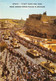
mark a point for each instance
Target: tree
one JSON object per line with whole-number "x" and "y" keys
{"x": 3, "y": 45}
{"x": 2, "y": 24}
{"x": 55, "y": 21}
{"x": 44, "y": 13}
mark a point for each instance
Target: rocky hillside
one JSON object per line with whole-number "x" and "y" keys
{"x": 9, "y": 23}
{"x": 35, "y": 26}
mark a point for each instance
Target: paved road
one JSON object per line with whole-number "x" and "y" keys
{"x": 23, "y": 51}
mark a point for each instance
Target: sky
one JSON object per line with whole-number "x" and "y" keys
{"x": 18, "y": 13}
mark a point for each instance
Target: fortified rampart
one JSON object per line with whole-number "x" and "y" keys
{"x": 44, "y": 18}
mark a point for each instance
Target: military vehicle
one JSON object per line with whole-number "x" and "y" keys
{"x": 33, "y": 53}
{"x": 15, "y": 45}
{"x": 15, "y": 40}
{"x": 50, "y": 66}
{"x": 6, "y": 37}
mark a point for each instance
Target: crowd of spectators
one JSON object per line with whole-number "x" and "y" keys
{"x": 26, "y": 70}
